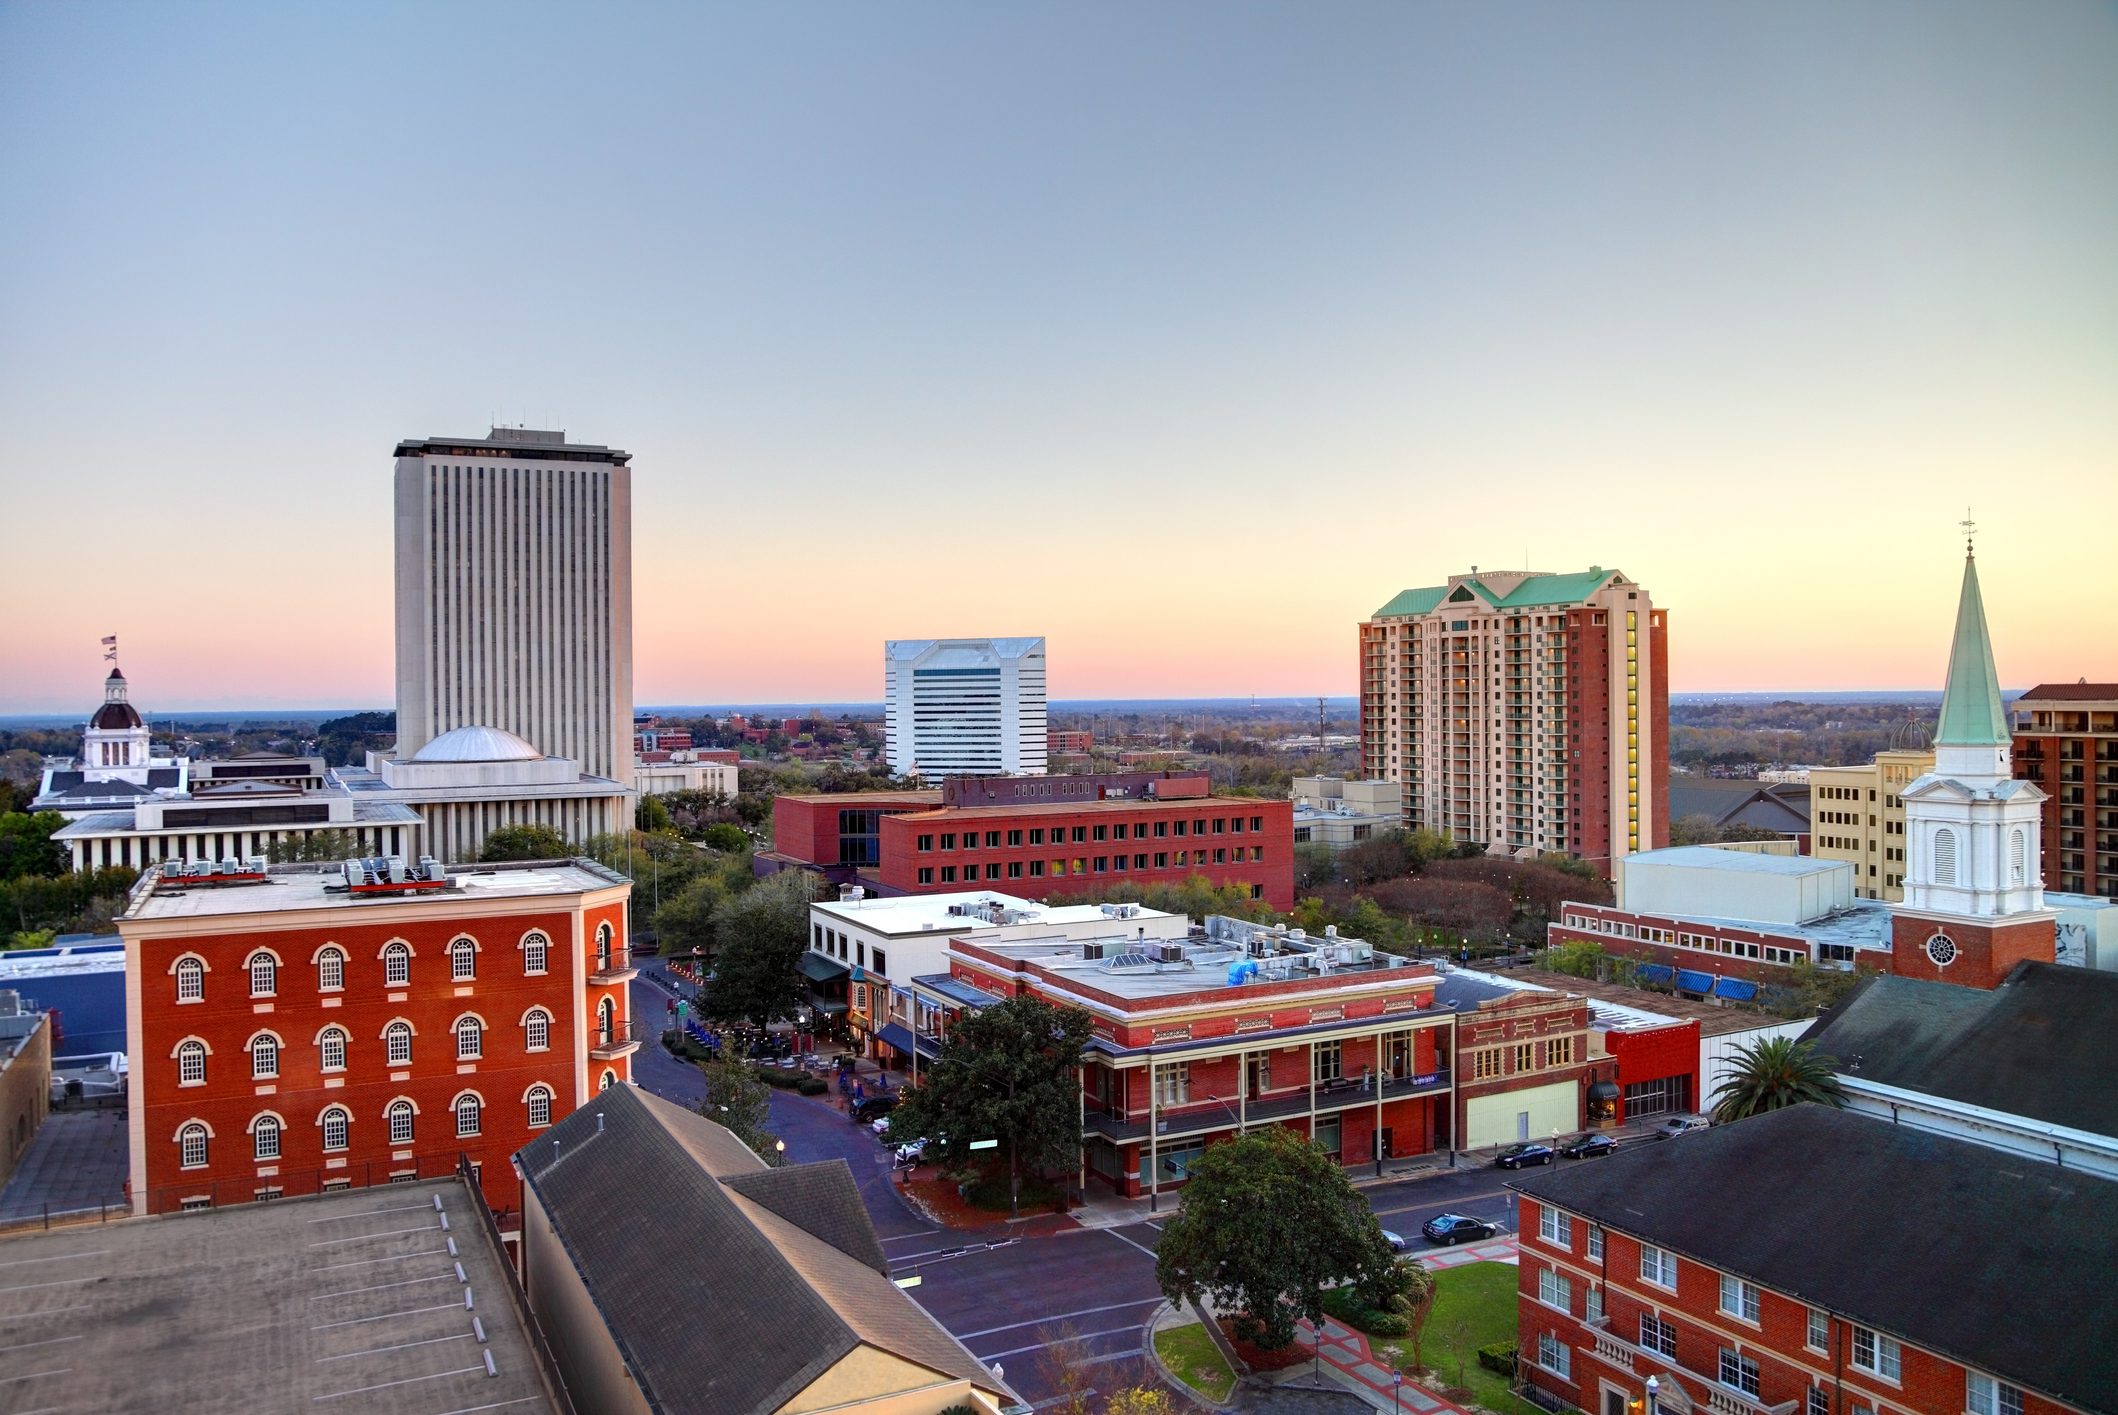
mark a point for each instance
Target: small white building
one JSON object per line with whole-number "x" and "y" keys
{"x": 1335, "y": 812}
{"x": 682, "y": 771}
{"x": 972, "y": 707}
{"x": 471, "y": 781}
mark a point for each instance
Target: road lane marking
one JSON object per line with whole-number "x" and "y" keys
{"x": 1058, "y": 1317}
{"x": 990, "y": 1356}
{"x": 1127, "y": 1241}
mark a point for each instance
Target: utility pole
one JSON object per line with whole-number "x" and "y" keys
{"x": 1320, "y": 723}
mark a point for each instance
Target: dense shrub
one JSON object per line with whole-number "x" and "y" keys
{"x": 1499, "y": 1358}
{"x": 1345, "y": 1304}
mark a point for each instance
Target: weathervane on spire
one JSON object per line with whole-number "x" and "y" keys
{"x": 1970, "y": 529}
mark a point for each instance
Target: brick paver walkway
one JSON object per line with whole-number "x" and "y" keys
{"x": 1348, "y": 1352}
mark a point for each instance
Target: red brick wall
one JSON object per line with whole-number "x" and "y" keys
{"x": 1589, "y": 739}
{"x": 299, "y": 1011}
{"x": 1699, "y": 960}
{"x": 1656, "y": 711}
{"x": 1928, "y": 1384}
{"x": 1985, "y": 953}
{"x": 902, "y": 860}
{"x": 1652, "y": 1055}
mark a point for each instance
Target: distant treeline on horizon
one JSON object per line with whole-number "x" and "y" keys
{"x": 1265, "y": 707}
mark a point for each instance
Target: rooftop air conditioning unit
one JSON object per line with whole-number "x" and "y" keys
{"x": 1170, "y": 952}
{"x": 1092, "y": 951}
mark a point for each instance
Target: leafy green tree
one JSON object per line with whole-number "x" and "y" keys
{"x": 26, "y": 846}
{"x": 1267, "y": 1222}
{"x": 759, "y": 938}
{"x": 1314, "y": 864}
{"x": 84, "y": 902}
{"x": 686, "y": 921}
{"x": 652, "y": 816}
{"x": 739, "y": 1100}
{"x": 1776, "y": 1072}
{"x": 723, "y": 836}
{"x": 1006, "y": 1072}
{"x": 526, "y": 842}
{"x": 1380, "y": 857}
{"x": 316, "y": 845}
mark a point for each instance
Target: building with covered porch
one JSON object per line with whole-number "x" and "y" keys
{"x": 1235, "y": 1025}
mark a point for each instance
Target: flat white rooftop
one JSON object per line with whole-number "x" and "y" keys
{"x": 1706, "y": 857}
{"x": 931, "y": 913}
{"x": 323, "y": 887}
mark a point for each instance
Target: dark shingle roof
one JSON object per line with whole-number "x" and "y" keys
{"x": 2025, "y": 1048}
{"x": 719, "y": 1302}
{"x": 1989, "y": 1258}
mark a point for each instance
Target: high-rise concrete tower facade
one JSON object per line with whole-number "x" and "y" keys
{"x": 514, "y": 594}
{"x": 957, "y": 706}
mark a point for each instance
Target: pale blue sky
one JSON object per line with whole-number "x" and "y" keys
{"x": 1185, "y": 334}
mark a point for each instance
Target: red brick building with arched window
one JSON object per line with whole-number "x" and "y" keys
{"x": 291, "y": 1034}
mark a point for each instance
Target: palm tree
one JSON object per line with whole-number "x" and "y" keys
{"x": 1776, "y": 1072}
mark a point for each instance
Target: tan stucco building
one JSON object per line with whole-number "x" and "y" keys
{"x": 1856, "y": 815}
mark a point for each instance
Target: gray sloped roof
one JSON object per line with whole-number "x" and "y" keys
{"x": 719, "y": 1304}
{"x": 2037, "y": 1046}
{"x": 1991, "y": 1259}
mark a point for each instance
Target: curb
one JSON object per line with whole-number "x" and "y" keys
{"x": 1169, "y": 1315}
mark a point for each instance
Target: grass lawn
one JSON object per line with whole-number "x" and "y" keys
{"x": 1191, "y": 1355}
{"x": 1480, "y": 1298}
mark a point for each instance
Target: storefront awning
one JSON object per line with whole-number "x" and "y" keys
{"x": 820, "y": 969}
{"x": 1735, "y": 989}
{"x": 828, "y": 1009}
{"x": 1655, "y": 972}
{"x": 1688, "y": 981}
{"x": 895, "y": 1034}
{"x": 942, "y": 985}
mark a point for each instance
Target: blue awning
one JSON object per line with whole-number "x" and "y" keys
{"x": 895, "y": 1034}
{"x": 955, "y": 990}
{"x": 1688, "y": 981}
{"x": 820, "y": 969}
{"x": 1655, "y": 972}
{"x": 1736, "y": 989}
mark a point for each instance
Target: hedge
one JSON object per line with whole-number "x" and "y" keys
{"x": 800, "y": 1082}
{"x": 1345, "y": 1304}
{"x": 1499, "y": 1358}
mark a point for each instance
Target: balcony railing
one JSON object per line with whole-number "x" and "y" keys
{"x": 1720, "y": 1399}
{"x": 618, "y": 968}
{"x": 1197, "y": 1117}
{"x": 610, "y": 1043}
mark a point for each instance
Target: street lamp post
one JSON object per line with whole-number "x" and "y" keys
{"x": 1397, "y": 1385}
{"x": 1654, "y": 1389}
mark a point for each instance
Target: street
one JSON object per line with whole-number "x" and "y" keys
{"x": 1033, "y": 1301}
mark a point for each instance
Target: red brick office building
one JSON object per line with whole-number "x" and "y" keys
{"x": 294, "y": 1035}
{"x": 1902, "y": 1273}
{"x": 2066, "y": 741}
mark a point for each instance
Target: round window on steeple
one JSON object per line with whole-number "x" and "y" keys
{"x": 1941, "y": 950}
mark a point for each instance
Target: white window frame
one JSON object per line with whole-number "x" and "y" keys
{"x": 343, "y": 1119}
{"x": 468, "y": 1102}
{"x": 324, "y": 1039}
{"x": 536, "y": 953}
{"x": 1989, "y": 1395}
{"x": 401, "y": 1110}
{"x": 463, "y": 960}
{"x": 1661, "y": 1325}
{"x": 390, "y": 1037}
{"x": 470, "y": 1038}
{"x": 1554, "y": 1227}
{"x": 1817, "y": 1335}
{"x": 1555, "y": 1355}
{"x": 263, "y": 964}
{"x": 327, "y": 960}
{"x": 265, "y": 1138}
{"x": 1886, "y": 1359}
{"x": 185, "y": 1137}
{"x": 1654, "y": 1262}
{"x": 397, "y": 964}
{"x": 264, "y": 1057}
{"x": 1742, "y": 1364}
{"x": 1739, "y": 1299}
{"x": 1554, "y": 1291}
{"x": 187, "y": 1053}
{"x": 1595, "y": 1242}
{"x": 537, "y": 1030}
{"x": 536, "y": 1095}
{"x": 190, "y": 980}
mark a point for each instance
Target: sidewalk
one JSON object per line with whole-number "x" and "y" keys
{"x": 1354, "y": 1362}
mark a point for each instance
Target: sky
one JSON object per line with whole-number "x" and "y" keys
{"x": 1183, "y": 334}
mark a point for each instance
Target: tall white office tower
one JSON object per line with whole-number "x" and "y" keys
{"x": 514, "y": 594}
{"x": 965, "y": 706}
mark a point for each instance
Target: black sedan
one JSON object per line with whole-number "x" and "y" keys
{"x": 1587, "y": 1147}
{"x": 1516, "y": 1156}
{"x": 1457, "y": 1228}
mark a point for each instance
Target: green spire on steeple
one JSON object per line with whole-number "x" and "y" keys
{"x": 1971, "y": 714}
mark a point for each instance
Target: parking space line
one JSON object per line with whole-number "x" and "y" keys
{"x": 369, "y": 1262}
{"x": 60, "y": 1258}
{"x": 407, "y": 1381}
{"x": 35, "y": 1376}
{"x": 48, "y": 1341}
{"x": 370, "y": 1213}
{"x": 1123, "y": 1239}
{"x": 362, "y": 1237}
{"x": 383, "y": 1286}
{"x": 400, "y": 1346}
{"x": 496, "y": 1405}
{"x": 61, "y": 1282}
{"x": 356, "y": 1321}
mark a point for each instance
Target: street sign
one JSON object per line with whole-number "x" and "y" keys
{"x": 912, "y": 1281}
{"x": 983, "y": 1145}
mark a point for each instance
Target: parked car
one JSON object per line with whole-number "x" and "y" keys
{"x": 1587, "y": 1147}
{"x": 1395, "y": 1240}
{"x": 1682, "y": 1125}
{"x": 873, "y": 1108}
{"x": 1516, "y": 1156}
{"x": 1457, "y": 1228}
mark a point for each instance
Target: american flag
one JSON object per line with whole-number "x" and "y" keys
{"x": 110, "y": 647}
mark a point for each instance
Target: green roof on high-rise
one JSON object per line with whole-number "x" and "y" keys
{"x": 1534, "y": 592}
{"x": 1972, "y": 714}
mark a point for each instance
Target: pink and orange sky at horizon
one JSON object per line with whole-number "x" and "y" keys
{"x": 1183, "y": 335}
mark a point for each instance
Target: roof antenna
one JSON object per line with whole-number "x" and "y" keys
{"x": 1970, "y": 529}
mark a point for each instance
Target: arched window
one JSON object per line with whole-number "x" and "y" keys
{"x": 537, "y": 1030}
{"x": 2018, "y": 856}
{"x": 331, "y": 1048}
{"x": 602, "y": 947}
{"x": 331, "y": 969}
{"x": 264, "y": 974}
{"x": 463, "y": 960}
{"x": 1945, "y": 856}
{"x": 264, "y": 1137}
{"x": 397, "y": 1043}
{"x": 469, "y": 1111}
{"x": 397, "y": 964}
{"x": 610, "y": 1078}
{"x": 191, "y": 1064}
{"x": 337, "y": 1123}
{"x": 191, "y": 1145}
{"x": 606, "y": 1022}
{"x": 400, "y": 1122}
{"x": 470, "y": 1039}
{"x": 190, "y": 980}
{"x": 536, "y": 953}
{"x": 264, "y": 1057}
{"x": 540, "y": 1107}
